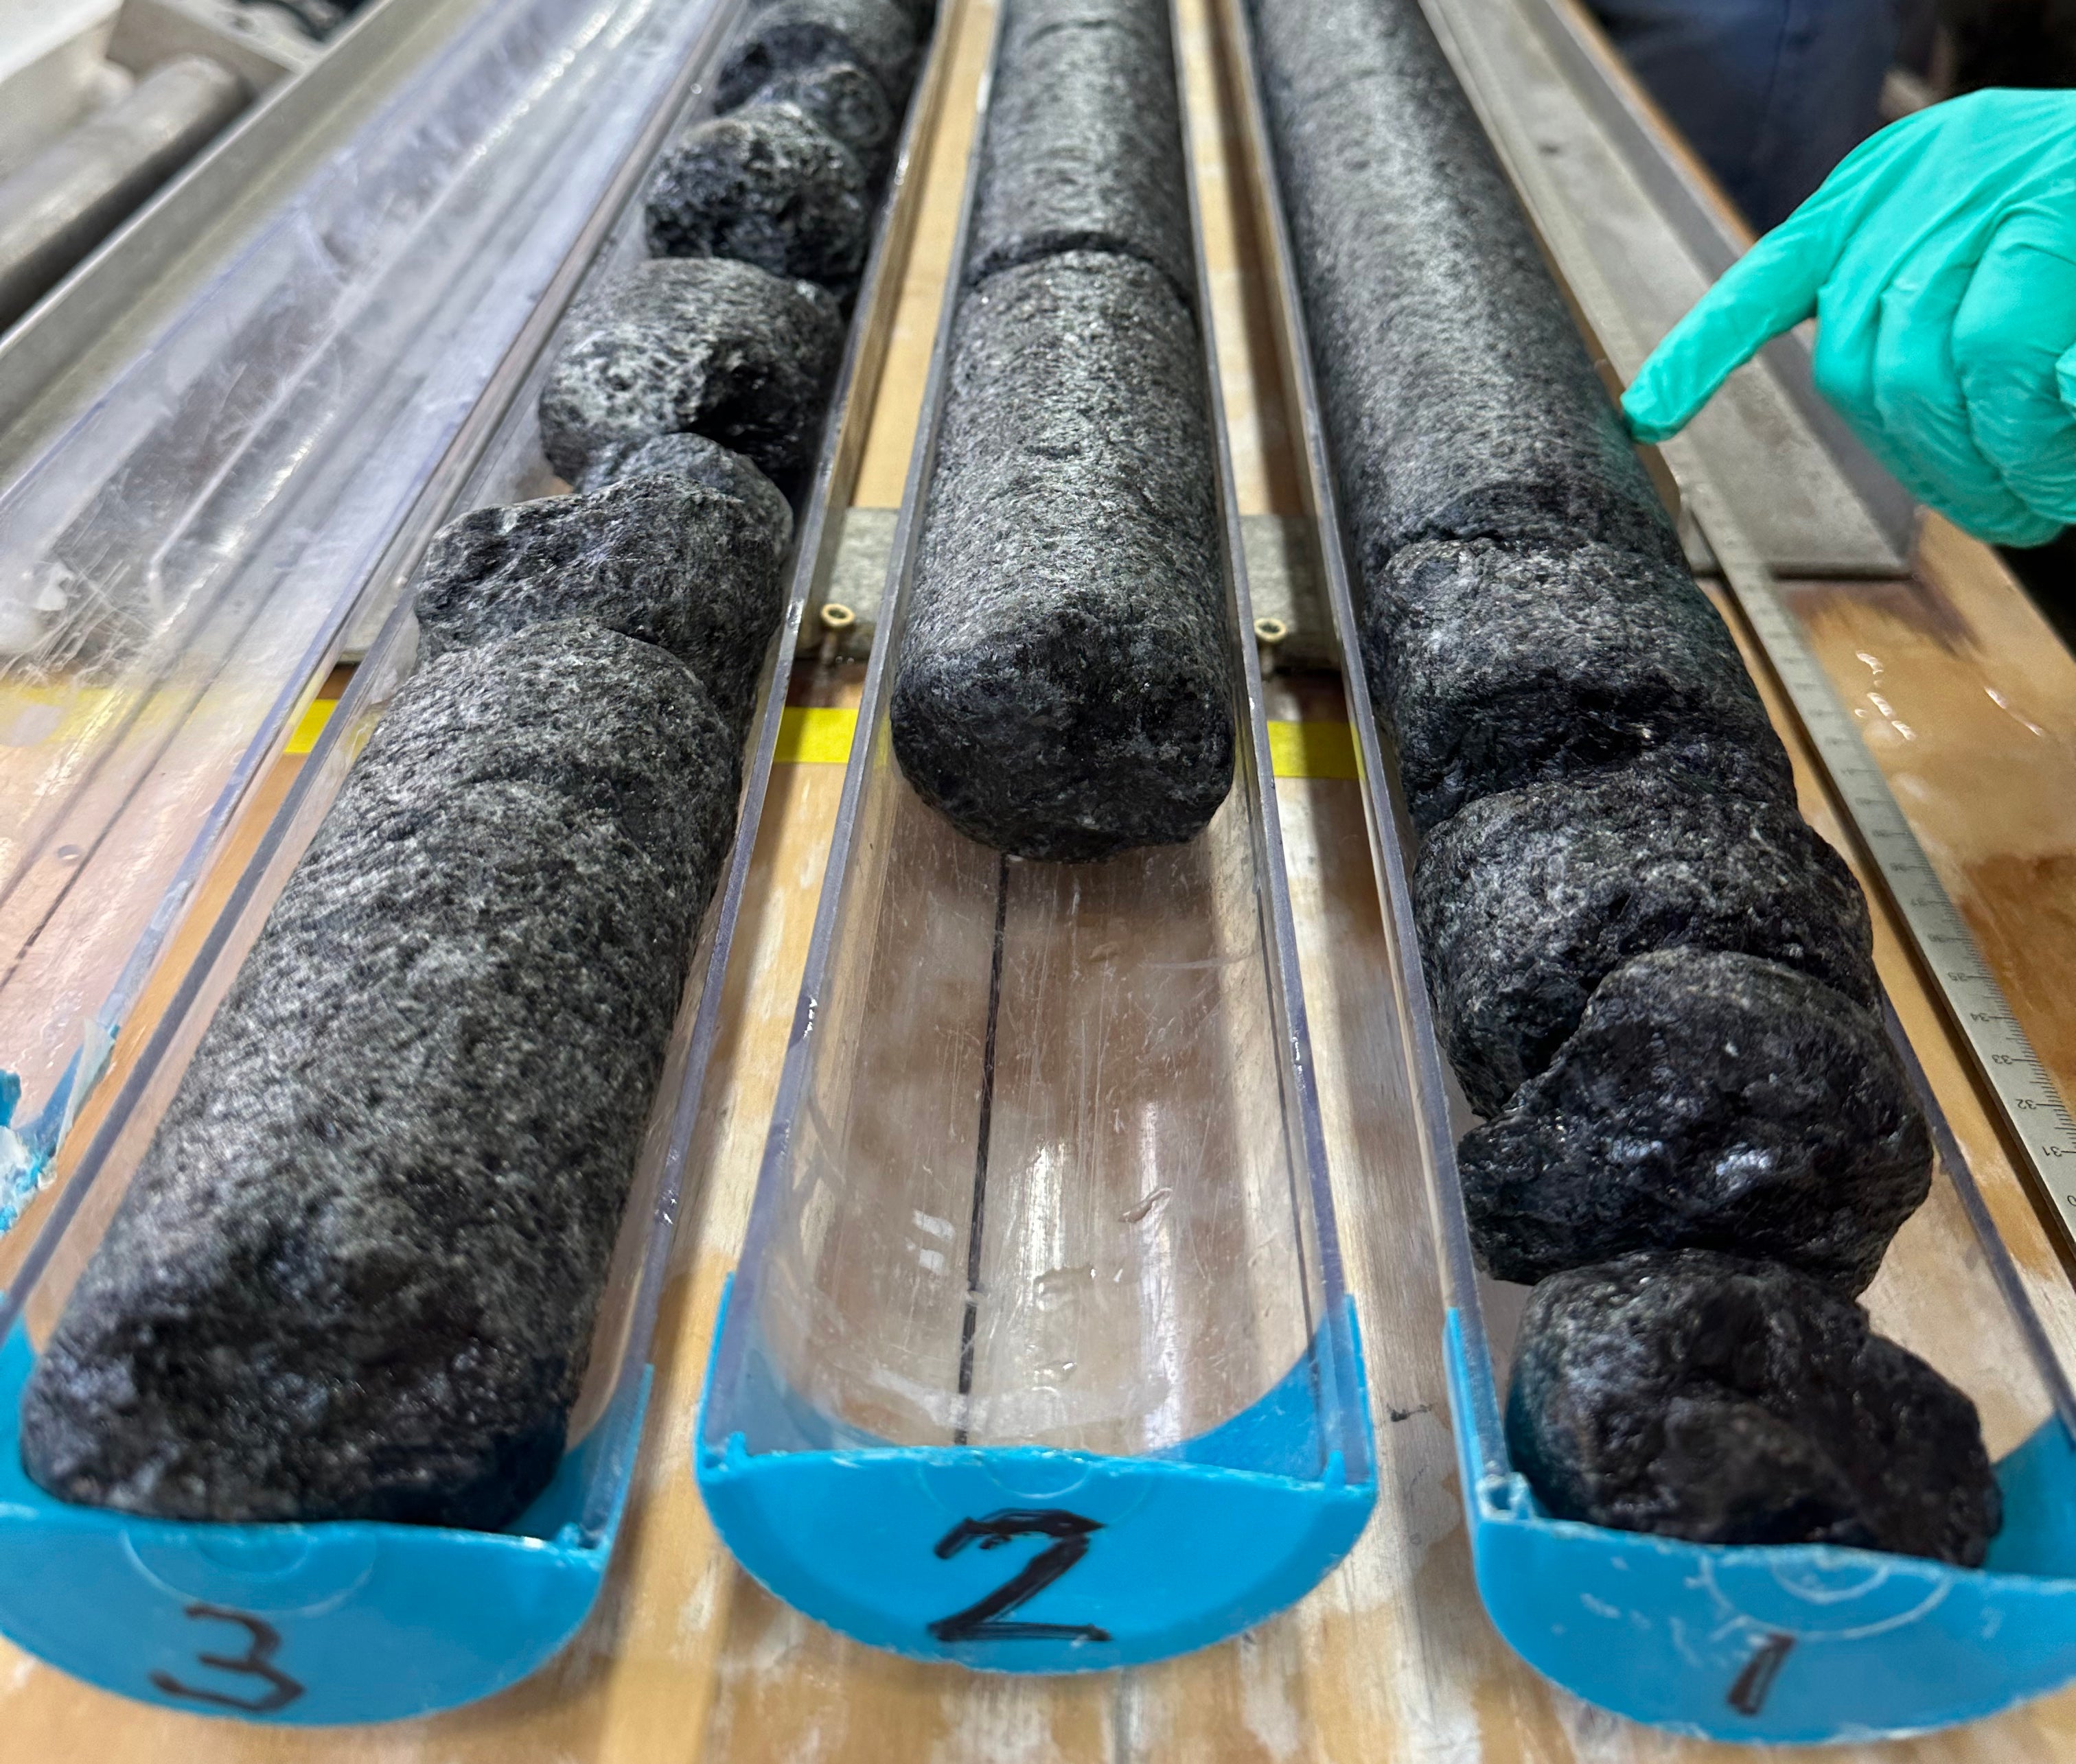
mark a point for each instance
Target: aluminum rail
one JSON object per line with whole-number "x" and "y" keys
{"x": 70, "y": 196}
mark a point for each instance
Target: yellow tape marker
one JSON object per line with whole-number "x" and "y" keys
{"x": 304, "y": 740}
{"x": 1312, "y": 749}
{"x": 815, "y": 735}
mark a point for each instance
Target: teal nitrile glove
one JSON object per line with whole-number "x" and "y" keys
{"x": 1939, "y": 261}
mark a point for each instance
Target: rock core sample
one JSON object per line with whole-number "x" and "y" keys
{"x": 357, "y": 1273}
{"x": 1527, "y": 900}
{"x": 700, "y": 344}
{"x": 1509, "y": 665}
{"x": 1708, "y": 1101}
{"x": 766, "y": 186}
{"x": 1063, "y": 686}
{"x": 1460, "y": 401}
{"x": 846, "y": 100}
{"x": 1721, "y": 1400}
{"x": 702, "y": 461}
{"x": 659, "y": 558}
{"x": 787, "y": 36}
{"x": 1084, "y": 146}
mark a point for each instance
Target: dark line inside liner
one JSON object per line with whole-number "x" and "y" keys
{"x": 969, "y": 1324}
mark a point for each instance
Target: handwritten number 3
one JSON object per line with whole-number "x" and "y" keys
{"x": 983, "y": 1620}
{"x": 255, "y": 1662}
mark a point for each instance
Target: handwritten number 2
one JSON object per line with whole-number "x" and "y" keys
{"x": 987, "y": 1619}
{"x": 257, "y": 1660}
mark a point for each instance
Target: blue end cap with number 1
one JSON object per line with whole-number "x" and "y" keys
{"x": 1029, "y": 1559}
{"x": 1778, "y": 1644}
{"x": 308, "y": 1625}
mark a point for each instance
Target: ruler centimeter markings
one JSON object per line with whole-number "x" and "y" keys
{"x": 2032, "y": 1105}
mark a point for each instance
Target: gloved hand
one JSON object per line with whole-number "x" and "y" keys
{"x": 1939, "y": 260}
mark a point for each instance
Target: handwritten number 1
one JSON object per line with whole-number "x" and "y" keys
{"x": 986, "y": 1619}
{"x": 1755, "y": 1683}
{"x": 264, "y": 1642}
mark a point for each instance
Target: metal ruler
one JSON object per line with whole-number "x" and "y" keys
{"x": 2039, "y": 1118}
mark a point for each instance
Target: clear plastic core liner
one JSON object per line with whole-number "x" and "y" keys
{"x": 177, "y": 569}
{"x": 369, "y": 1621}
{"x": 1046, "y": 1167}
{"x": 1788, "y": 1644}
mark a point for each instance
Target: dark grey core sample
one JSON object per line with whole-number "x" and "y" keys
{"x": 1084, "y": 147}
{"x": 1459, "y": 398}
{"x": 1063, "y": 689}
{"x": 658, "y": 557}
{"x": 1499, "y": 666}
{"x": 1702, "y": 1396}
{"x": 701, "y": 460}
{"x": 1527, "y": 900}
{"x": 617, "y": 727}
{"x": 846, "y": 101}
{"x": 357, "y": 1274}
{"x": 1705, "y": 1102}
{"x": 788, "y": 36}
{"x": 767, "y": 186}
{"x": 701, "y": 345}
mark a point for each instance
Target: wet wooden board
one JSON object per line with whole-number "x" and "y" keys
{"x": 1967, "y": 697}
{"x": 1392, "y": 1657}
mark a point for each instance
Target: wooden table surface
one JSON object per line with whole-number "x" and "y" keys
{"x": 1970, "y": 703}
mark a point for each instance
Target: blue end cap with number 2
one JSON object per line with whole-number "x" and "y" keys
{"x": 309, "y": 1625}
{"x": 1030, "y": 1559}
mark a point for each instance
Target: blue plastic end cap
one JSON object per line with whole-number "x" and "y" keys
{"x": 300, "y": 1625}
{"x": 1024, "y": 1559}
{"x": 1787, "y": 1645}
{"x": 1030, "y": 1559}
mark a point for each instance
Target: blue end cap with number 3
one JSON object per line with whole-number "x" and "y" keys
{"x": 307, "y": 1625}
{"x": 1028, "y": 1559}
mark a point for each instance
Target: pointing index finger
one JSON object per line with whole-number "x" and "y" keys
{"x": 1771, "y": 289}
